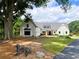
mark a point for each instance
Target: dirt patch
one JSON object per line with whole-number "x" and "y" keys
{"x": 7, "y": 50}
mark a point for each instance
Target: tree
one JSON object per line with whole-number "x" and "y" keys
{"x": 16, "y": 28}
{"x": 1, "y": 28}
{"x": 74, "y": 26}
{"x": 10, "y": 9}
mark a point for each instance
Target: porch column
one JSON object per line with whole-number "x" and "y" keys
{"x": 46, "y": 33}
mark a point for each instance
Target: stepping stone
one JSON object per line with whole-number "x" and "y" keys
{"x": 40, "y": 54}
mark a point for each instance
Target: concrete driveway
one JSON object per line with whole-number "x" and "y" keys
{"x": 70, "y": 52}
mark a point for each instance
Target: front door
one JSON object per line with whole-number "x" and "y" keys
{"x": 49, "y": 33}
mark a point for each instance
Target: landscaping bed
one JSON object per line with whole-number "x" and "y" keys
{"x": 7, "y": 50}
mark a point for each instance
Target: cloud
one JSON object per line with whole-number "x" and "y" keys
{"x": 52, "y": 3}
{"x": 45, "y": 14}
{"x": 54, "y": 14}
{"x": 72, "y": 15}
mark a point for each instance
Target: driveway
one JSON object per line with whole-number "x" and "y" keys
{"x": 70, "y": 52}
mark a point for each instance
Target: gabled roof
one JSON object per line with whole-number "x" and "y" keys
{"x": 29, "y": 21}
{"x": 56, "y": 26}
{"x": 52, "y": 26}
{"x": 33, "y": 23}
{"x": 41, "y": 25}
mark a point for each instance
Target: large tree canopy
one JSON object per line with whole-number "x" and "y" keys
{"x": 17, "y": 7}
{"x": 10, "y": 9}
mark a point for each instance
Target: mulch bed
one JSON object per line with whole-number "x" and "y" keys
{"x": 7, "y": 48}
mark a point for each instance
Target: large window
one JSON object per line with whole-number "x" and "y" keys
{"x": 66, "y": 32}
{"x": 59, "y": 32}
{"x": 54, "y": 32}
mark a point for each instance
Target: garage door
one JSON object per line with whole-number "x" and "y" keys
{"x": 27, "y": 33}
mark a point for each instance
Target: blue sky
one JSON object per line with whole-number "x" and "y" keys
{"x": 76, "y": 2}
{"x": 73, "y": 2}
{"x": 53, "y": 13}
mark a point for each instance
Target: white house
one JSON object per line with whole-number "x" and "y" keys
{"x": 54, "y": 28}
{"x": 30, "y": 29}
{"x": 61, "y": 30}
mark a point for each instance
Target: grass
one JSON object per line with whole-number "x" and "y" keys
{"x": 75, "y": 36}
{"x": 56, "y": 44}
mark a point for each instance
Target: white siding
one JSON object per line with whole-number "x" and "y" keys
{"x": 38, "y": 32}
{"x": 63, "y": 30}
{"x": 31, "y": 26}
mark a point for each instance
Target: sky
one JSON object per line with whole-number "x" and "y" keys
{"x": 53, "y": 13}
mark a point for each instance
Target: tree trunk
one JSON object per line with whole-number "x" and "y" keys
{"x": 8, "y": 30}
{"x": 8, "y": 27}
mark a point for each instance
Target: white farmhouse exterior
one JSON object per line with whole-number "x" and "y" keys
{"x": 54, "y": 28}
{"x": 62, "y": 30}
{"x": 30, "y": 29}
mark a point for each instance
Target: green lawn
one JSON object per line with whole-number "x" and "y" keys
{"x": 56, "y": 44}
{"x": 75, "y": 37}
